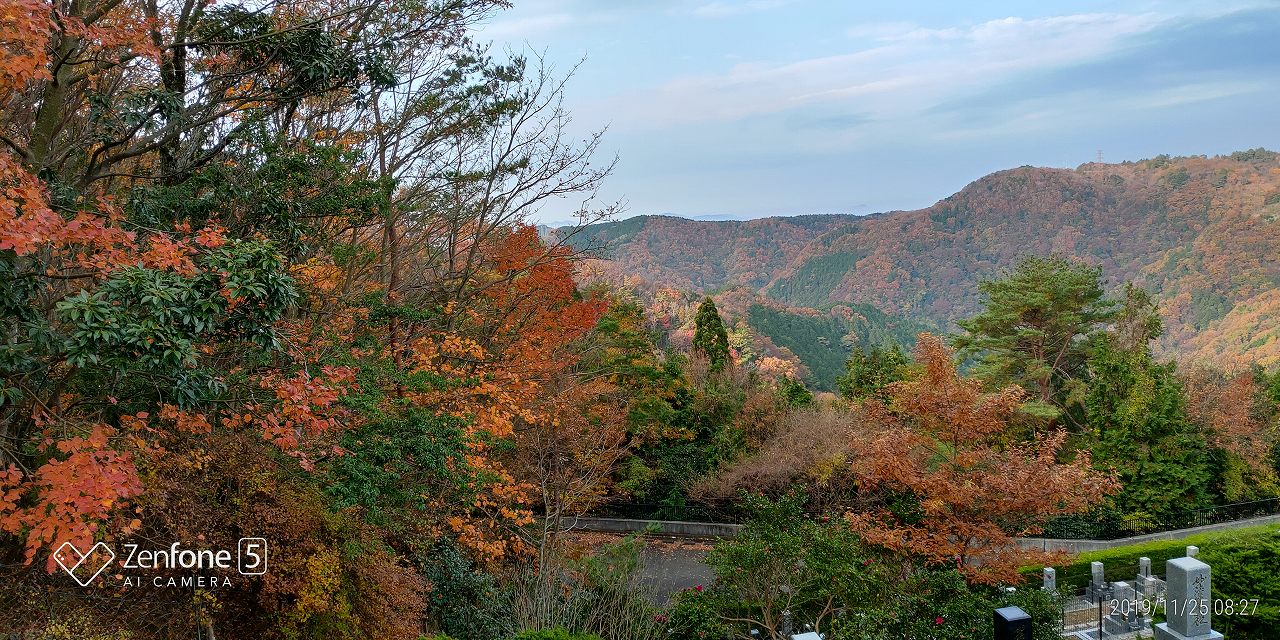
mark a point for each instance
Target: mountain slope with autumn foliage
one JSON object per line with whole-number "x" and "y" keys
{"x": 703, "y": 255}
{"x": 1201, "y": 233}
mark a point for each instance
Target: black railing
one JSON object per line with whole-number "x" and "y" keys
{"x": 684, "y": 511}
{"x": 1231, "y": 512}
{"x": 1093, "y": 526}
{"x": 1110, "y": 525}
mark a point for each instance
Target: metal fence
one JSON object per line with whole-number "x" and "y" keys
{"x": 1110, "y": 526}
{"x": 1091, "y": 619}
{"x": 720, "y": 513}
{"x": 1093, "y": 526}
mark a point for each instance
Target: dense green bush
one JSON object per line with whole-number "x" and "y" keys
{"x": 694, "y": 613}
{"x": 784, "y": 560}
{"x": 1245, "y": 567}
{"x": 939, "y": 605}
{"x": 469, "y": 603}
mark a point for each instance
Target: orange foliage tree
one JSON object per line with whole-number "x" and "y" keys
{"x": 1228, "y": 407}
{"x": 196, "y": 214}
{"x": 950, "y": 486}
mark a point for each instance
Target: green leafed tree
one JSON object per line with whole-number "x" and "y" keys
{"x": 869, "y": 371}
{"x": 1137, "y": 321}
{"x": 1036, "y": 327}
{"x": 1139, "y": 424}
{"x": 1140, "y": 427}
{"x": 794, "y": 393}
{"x": 786, "y": 564}
{"x": 709, "y": 336}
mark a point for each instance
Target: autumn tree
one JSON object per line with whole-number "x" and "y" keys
{"x": 807, "y": 447}
{"x": 951, "y": 486}
{"x": 1137, "y": 321}
{"x": 709, "y": 336}
{"x": 1035, "y": 327}
{"x": 1235, "y": 413}
{"x": 289, "y": 231}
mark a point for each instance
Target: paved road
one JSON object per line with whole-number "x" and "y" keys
{"x": 670, "y": 566}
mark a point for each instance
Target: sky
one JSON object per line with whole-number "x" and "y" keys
{"x": 750, "y": 108}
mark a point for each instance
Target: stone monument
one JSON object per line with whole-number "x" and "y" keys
{"x": 1012, "y": 623}
{"x": 1188, "y": 602}
{"x": 1098, "y": 590}
{"x": 1127, "y": 616}
{"x": 1145, "y": 582}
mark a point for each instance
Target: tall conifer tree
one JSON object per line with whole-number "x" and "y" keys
{"x": 709, "y": 337}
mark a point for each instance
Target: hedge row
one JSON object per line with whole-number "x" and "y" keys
{"x": 1245, "y": 564}
{"x": 1121, "y": 563}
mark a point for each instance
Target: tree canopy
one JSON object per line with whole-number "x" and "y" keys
{"x": 1035, "y": 327}
{"x": 709, "y": 336}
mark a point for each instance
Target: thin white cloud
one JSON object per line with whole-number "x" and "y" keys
{"x": 516, "y": 29}
{"x": 549, "y": 19}
{"x": 1194, "y": 92}
{"x": 880, "y": 31}
{"x": 911, "y": 70}
{"x": 723, "y": 9}
{"x": 1083, "y": 109}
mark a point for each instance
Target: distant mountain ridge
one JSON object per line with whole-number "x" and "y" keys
{"x": 705, "y": 255}
{"x": 1201, "y": 233}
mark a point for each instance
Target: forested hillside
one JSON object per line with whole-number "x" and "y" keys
{"x": 1198, "y": 232}
{"x": 703, "y": 255}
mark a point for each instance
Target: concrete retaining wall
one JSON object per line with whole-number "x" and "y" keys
{"x": 667, "y": 527}
{"x": 719, "y": 530}
{"x": 1080, "y": 546}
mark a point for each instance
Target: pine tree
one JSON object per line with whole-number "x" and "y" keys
{"x": 709, "y": 336}
{"x": 1035, "y": 329}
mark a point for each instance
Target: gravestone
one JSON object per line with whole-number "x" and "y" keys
{"x": 1098, "y": 590}
{"x": 1050, "y": 579}
{"x": 1188, "y": 602}
{"x": 1012, "y": 623}
{"x": 1145, "y": 582}
{"x": 1127, "y": 616}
